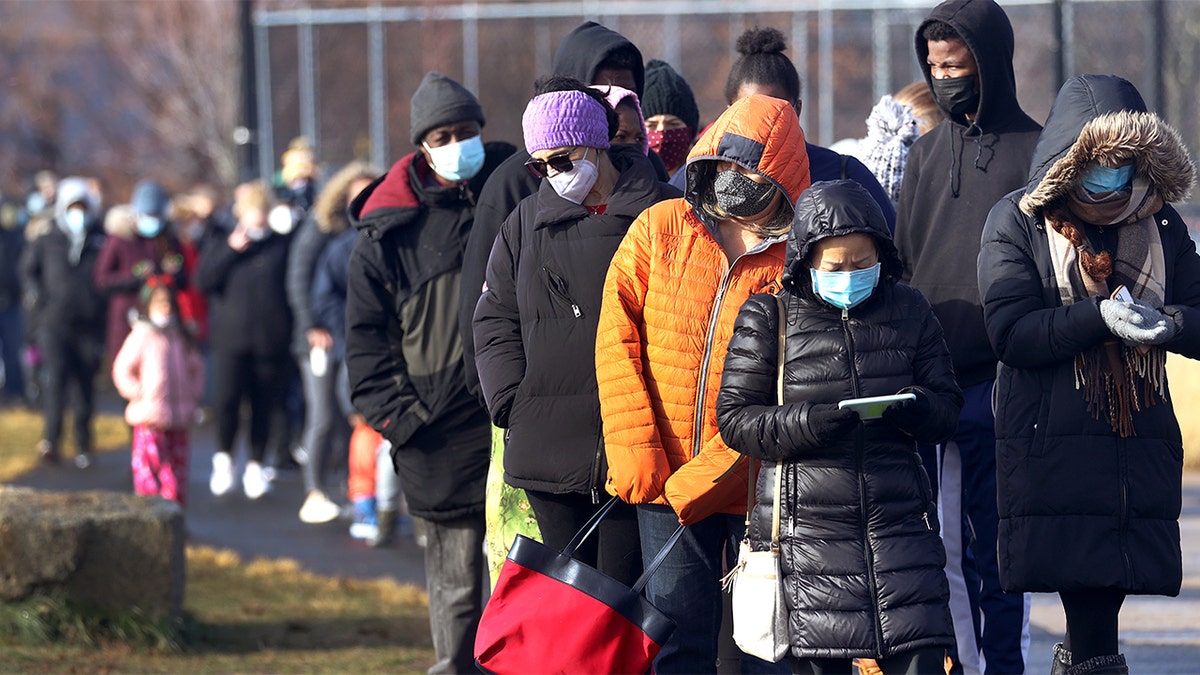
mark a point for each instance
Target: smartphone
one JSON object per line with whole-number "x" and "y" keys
{"x": 872, "y": 407}
{"x": 1122, "y": 294}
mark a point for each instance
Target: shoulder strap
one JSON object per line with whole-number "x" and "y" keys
{"x": 781, "y": 341}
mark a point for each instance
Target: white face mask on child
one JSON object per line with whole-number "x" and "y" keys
{"x": 159, "y": 320}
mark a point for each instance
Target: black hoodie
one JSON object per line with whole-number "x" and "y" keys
{"x": 955, "y": 173}
{"x": 579, "y": 55}
{"x": 403, "y": 352}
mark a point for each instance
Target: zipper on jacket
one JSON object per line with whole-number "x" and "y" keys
{"x": 595, "y": 490}
{"x": 860, "y": 455}
{"x": 701, "y": 384}
{"x": 559, "y": 289}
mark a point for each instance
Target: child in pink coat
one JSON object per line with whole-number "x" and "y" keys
{"x": 160, "y": 372}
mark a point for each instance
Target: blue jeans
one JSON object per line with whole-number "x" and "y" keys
{"x": 687, "y": 588}
{"x": 11, "y": 332}
{"x": 454, "y": 574}
{"x": 999, "y": 621}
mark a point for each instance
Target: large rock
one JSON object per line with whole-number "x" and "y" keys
{"x": 113, "y": 551}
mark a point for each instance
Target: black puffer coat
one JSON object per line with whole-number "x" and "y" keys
{"x": 535, "y": 328}
{"x": 1081, "y": 507}
{"x": 861, "y": 556}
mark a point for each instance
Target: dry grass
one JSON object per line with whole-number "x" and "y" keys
{"x": 258, "y": 616}
{"x": 21, "y": 429}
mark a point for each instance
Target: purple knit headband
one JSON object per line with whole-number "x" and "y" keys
{"x": 564, "y": 118}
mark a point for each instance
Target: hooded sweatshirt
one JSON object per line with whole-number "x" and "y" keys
{"x": 579, "y": 55}
{"x": 955, "y": 173}
{"x": 1081, "y": 507}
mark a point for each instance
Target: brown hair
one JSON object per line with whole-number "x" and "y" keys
{"x": 919, "y": 97}
{"x": 254, "y": 194}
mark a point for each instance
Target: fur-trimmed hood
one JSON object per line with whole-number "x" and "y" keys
{"x": 1103, "y": 117}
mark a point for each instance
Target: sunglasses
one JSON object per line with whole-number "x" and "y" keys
{"x": 561, "y": 163}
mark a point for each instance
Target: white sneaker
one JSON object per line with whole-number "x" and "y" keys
{"x": 364, "y": 530}
{"x": 318, "y": 508}
{"x": 255, "y": 480}
{"x": 222, "y": 474}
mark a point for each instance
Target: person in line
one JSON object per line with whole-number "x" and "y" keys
{"x": 404, "y": 350}
{"x": 763, "y": 68}
{"x": 1088, "y": 456}
{"x": 535, "y": 325}
{"x": 242, "y": 274}
{"x": 133, "y": 254}
{"x": 591, "y": 54}
{"x": 893, "y": 125}
{"x": 12, "y": 315}
{"x": 320, "y": 346}
{"x": 953, "y": 176}
{"x": 672, "y": 117}
{"x": 56, "y": 270}
{"x": 672, "y": 291}
{"x": 855, "y": 493}
{"x": 160, "y": 372}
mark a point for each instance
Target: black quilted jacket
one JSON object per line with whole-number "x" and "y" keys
{"x": 861, "y": 556}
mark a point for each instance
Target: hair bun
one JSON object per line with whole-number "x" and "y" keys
{"x": 761, "y": 41}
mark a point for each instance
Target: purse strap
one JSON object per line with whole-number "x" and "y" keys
{"x": 594, "y": 522}
{"x": 589, "y": 527}
{"x": 781, "y": 341}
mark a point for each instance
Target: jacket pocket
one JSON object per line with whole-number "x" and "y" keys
{"x": 561, "y": 291}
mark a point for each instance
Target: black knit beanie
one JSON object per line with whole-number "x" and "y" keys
{"x": 667, "y": 93}
{"x": 440, "y": 100}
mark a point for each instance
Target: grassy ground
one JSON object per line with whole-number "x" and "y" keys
{"x": 261, "y": 616}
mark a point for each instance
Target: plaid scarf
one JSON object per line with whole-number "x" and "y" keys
{"x": 1116, "y": 379}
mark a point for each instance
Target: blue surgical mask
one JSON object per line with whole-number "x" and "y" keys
{"x": 149, "y": 226}
{"x": 845, "y": 289}
{"x": 76, "y": 220}
{"x": 1097, "y": 179}
{"x": 458, "y": 161}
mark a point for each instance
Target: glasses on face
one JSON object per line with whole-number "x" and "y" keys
{"x": 561, "y": 163}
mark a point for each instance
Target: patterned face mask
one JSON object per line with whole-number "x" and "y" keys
{"x": 739, "y": 196}
{"x": 671, "y": 145}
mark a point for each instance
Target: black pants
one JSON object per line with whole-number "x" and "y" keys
{"x": 931, "y": 661}
{"x": 70, "y": 360}
{"x": 1092, "y": 626}
{"x": 261, "y": 379}
{"x": 615, "y": 548}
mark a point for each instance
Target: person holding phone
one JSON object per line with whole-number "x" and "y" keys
{"x": 861, "y": 558}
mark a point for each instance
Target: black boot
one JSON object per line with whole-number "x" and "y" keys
{"x": 1062, "y": 660}
{"x": 1111, "y": 664}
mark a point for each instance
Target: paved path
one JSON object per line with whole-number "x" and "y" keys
{"x": 268, "y": 527}
{"x": 1161, "y": 636}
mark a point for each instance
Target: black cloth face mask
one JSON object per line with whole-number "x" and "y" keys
{"x": 959, "y": 95}
{"x": 739, "y": 196}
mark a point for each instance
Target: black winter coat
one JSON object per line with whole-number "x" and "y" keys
{"x": 860, "y": 551}
{"x": 307, "y": 244}
{"x": 64, "y": 299}
{"x": 1081, "y": 507}
{"x": 247, "y": 297}
{"x": 954, "y": 174}
{"x": 403, "y": 346}
{"x": 535, "y": 328}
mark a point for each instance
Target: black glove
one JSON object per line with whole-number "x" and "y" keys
{"x": 908, "y": 415}
{"x": 827, "y": 423}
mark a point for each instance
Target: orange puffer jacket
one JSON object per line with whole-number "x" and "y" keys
{"x": 670, "y": 299}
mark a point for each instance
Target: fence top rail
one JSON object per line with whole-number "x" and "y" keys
{"x": 589, "y": 8}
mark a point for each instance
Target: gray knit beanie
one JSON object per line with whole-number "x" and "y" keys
{"x": 667, "y": 93}
{"x": 440, "y": 100}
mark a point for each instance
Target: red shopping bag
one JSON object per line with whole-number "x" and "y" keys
{"x": 550, "y": 613}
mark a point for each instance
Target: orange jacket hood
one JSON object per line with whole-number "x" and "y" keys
{"x": 760, "y": 133}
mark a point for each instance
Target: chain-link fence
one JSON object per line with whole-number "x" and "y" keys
{"x": 343, "y": 76}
